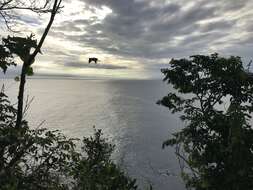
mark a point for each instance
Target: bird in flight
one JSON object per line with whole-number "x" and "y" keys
{"x": 94, "y": 59}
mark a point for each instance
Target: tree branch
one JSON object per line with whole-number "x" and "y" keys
{"x": 27, "y": 63}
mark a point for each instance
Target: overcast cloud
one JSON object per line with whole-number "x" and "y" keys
{"x": 139, "y": 37}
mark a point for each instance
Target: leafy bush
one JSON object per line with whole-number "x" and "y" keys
{"x": 31, "y": 158}
{"x": 96, "y": 171}
{"x": 216, "y": 144}
{"x": 44, "y": 159}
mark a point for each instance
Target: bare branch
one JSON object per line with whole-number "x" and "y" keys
{"x": 8, "y": 9}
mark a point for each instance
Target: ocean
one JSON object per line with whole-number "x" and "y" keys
{"x": 125, "y": 110}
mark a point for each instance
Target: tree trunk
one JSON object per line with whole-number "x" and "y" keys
{"x": 21, "y": 96}
{"x": 30, "y": 61}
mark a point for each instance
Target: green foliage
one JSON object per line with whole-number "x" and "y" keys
{"x": 6, "y": 58}
{"x": 96, "y": 171}
{"x": 29, "y": 71}
{"x": 20, "y": 47}
{"x": 17, "y": 79}
{"x": 31, "y": 158}
{"x": 216, "y": 144}
{"x": 16, "y": 46}
{"x": 42, "y": 159}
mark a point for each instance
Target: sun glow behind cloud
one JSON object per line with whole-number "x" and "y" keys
{"x": 135, "y": 38}
{"x": 82, "y": 51}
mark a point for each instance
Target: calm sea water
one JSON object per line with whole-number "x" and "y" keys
{"x": 125, "y": 110}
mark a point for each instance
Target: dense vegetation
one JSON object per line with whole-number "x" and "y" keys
{"x": 96, "y": 170}
{"x": 31, "y": 158}
{"x": 215, "y": 148}
{"x": 43, "y": 159}
{"x": 37, "y": 158}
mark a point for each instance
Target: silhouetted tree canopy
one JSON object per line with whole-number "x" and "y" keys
{"x": 17, "y": 46}
{"x": 47, "y": 160}
{"x": 215, "y": 98}
{"x": 32, "y": 158}
{"x": 6, "y": 58}
{"x": 37, "y": 158}
{"x": 96, "y": 171}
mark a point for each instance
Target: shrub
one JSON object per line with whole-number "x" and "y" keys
{"x": 216, "y": 144}
{"x": 96, "y": 171}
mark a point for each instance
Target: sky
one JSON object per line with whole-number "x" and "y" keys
{"x": 136, "y": 38}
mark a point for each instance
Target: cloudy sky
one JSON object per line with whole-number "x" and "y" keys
{"x": 135, "y": 38}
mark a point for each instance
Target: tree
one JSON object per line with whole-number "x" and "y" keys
{"x": 215, "y": 147}
{"x": 32, "y": 158}
{"x": 96, "y": 171}
{"x": 8, "y": 9}
{"x": 29, "y": 159}
{"x": 47, "y": 160}
{"x": 40, "y": 158}
{"x": 22, "y": 48}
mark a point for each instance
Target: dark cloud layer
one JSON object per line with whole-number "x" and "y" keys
{"x": 82, "y": 65}
{"x": 151, "y": 32}
{"x": 156, "y": 29}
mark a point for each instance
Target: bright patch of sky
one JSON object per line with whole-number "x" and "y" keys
{"x": 136, "y": 38}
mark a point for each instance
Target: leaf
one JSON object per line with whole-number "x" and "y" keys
{"x": 29, "y": 71}
{"x": 215, "y": 143}
{"x": 17, "y": 79}
{"x": 6, "y": 58}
